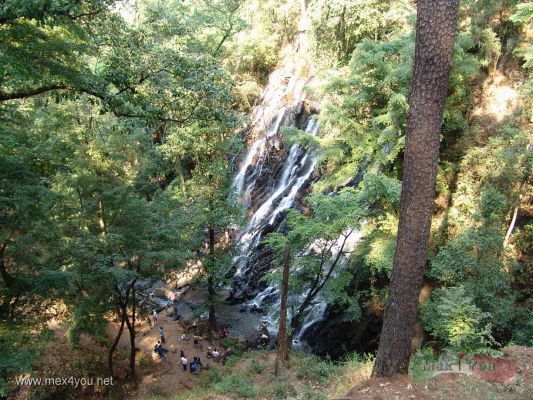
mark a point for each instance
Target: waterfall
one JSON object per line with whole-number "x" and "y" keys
{"x": 268, "y": 183}
{"x": 295, "y": 173}
{"x": 270, "y": 179}
{"x": 317, "y": 310}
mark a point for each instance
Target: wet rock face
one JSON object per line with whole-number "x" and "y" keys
{"x": 269, "y": 174}
{"x": 247, "y": 287}
{"x": 335, "y": 337}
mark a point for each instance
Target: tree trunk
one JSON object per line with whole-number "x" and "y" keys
{"x": 113, "y": 347}
{"x": 211, "y": 281}
{"x": 131, "y": 328}
{"x": 516, "y": 208}
{"x": 132, "y": 331}
{"x": 3, "y": 271}
{"x": 435, "y": 29}
{"x": 298, "y": 317}
{"x": 283, "y": 345}
{"x": 5, "y": 305}
{"x": 179, "y": 171}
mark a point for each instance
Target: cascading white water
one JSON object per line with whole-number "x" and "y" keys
{"x": 296, "y": 171}
{"x": 273, "y": 112}
{"x": 267, "y": 197}
{"x": 345, "y": 243}
{"x": 256, "y": 155}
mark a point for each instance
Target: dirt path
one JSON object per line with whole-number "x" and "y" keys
{"x": 158, "y": 377}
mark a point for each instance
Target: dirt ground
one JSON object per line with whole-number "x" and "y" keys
{"x": 165, "y": 377}
{"x": 452, "y": 386}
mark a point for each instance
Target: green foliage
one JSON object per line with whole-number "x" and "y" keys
{"x": 366, "y": 104}
{"x": 338, "y": 26}
{"x": 19, "y": 350}
{"x": 235, "y": 348}
{"x": 490, "y": 47}
{"x": 256, "y": 367}
{"x": 315, "y": 268}
{"x": 474, "y": 255}
{"x": 210, "y": 377}
{"x": 365, "y": 108}
{"x": 452, "y": 317}
{"x": 236, "y": 386}
{"x": 254, "y": 53}
{"x": 313, "y": 394}
{"x": 313, "y": 368}
{"x": 115, "y": 150}
{"x": 523, "y": 331}
{"x": 523, "y": 16}
{"x": 279, "y": 389}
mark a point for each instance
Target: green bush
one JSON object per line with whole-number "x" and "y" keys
{"x": 280, "y": 389}
{"x": 236, "y": 385}
{"x": 452, "y": 317}
{"x": 256, "y": 367}
{"x": 210, "y": 377}
{"x": 313, "y": 368}
{"x": 312, "y": 394}
{"x": 523, "y": 330}
{"x": 144, "y": 359}
{"x": 234, "y": 348}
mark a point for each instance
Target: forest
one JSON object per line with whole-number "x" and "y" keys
{"x": 318, "y": 199}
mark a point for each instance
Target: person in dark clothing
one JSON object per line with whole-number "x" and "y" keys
{"x": 160, "y": 351}
{"x": 224, "y": 332}
{"x": 162, "y": 334}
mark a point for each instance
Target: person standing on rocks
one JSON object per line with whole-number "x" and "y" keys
{"x": 162, "y": 334}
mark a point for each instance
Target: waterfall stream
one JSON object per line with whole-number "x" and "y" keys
{"x": 269, "y": 181}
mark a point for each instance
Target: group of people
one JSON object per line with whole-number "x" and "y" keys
{"x": 212, "y": 353}
{"x": 194, "y": 365}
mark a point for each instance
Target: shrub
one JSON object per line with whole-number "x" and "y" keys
{"x": 235, "y": 385}
{"x": 523, "y": 330}
{"x": 313, "y": 368}
{"x": 256, "y": 367}
{"x": 280, "y": 389}
{"x": 452, "y": 317}
{"x": 210, "y": 377}
{"x": 144, "y": 359}
{"x": 312, "y": 394}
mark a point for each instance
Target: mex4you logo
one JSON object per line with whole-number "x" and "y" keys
{"x": 488, "y": 368}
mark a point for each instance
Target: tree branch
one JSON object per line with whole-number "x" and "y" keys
{"x": 25, "y": 93}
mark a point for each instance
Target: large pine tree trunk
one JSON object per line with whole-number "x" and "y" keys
{"x": 435, "y": 30}
{"x": 283, "y": 345}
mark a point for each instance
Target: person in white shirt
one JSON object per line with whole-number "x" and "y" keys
{"x": 184, "y": 362}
